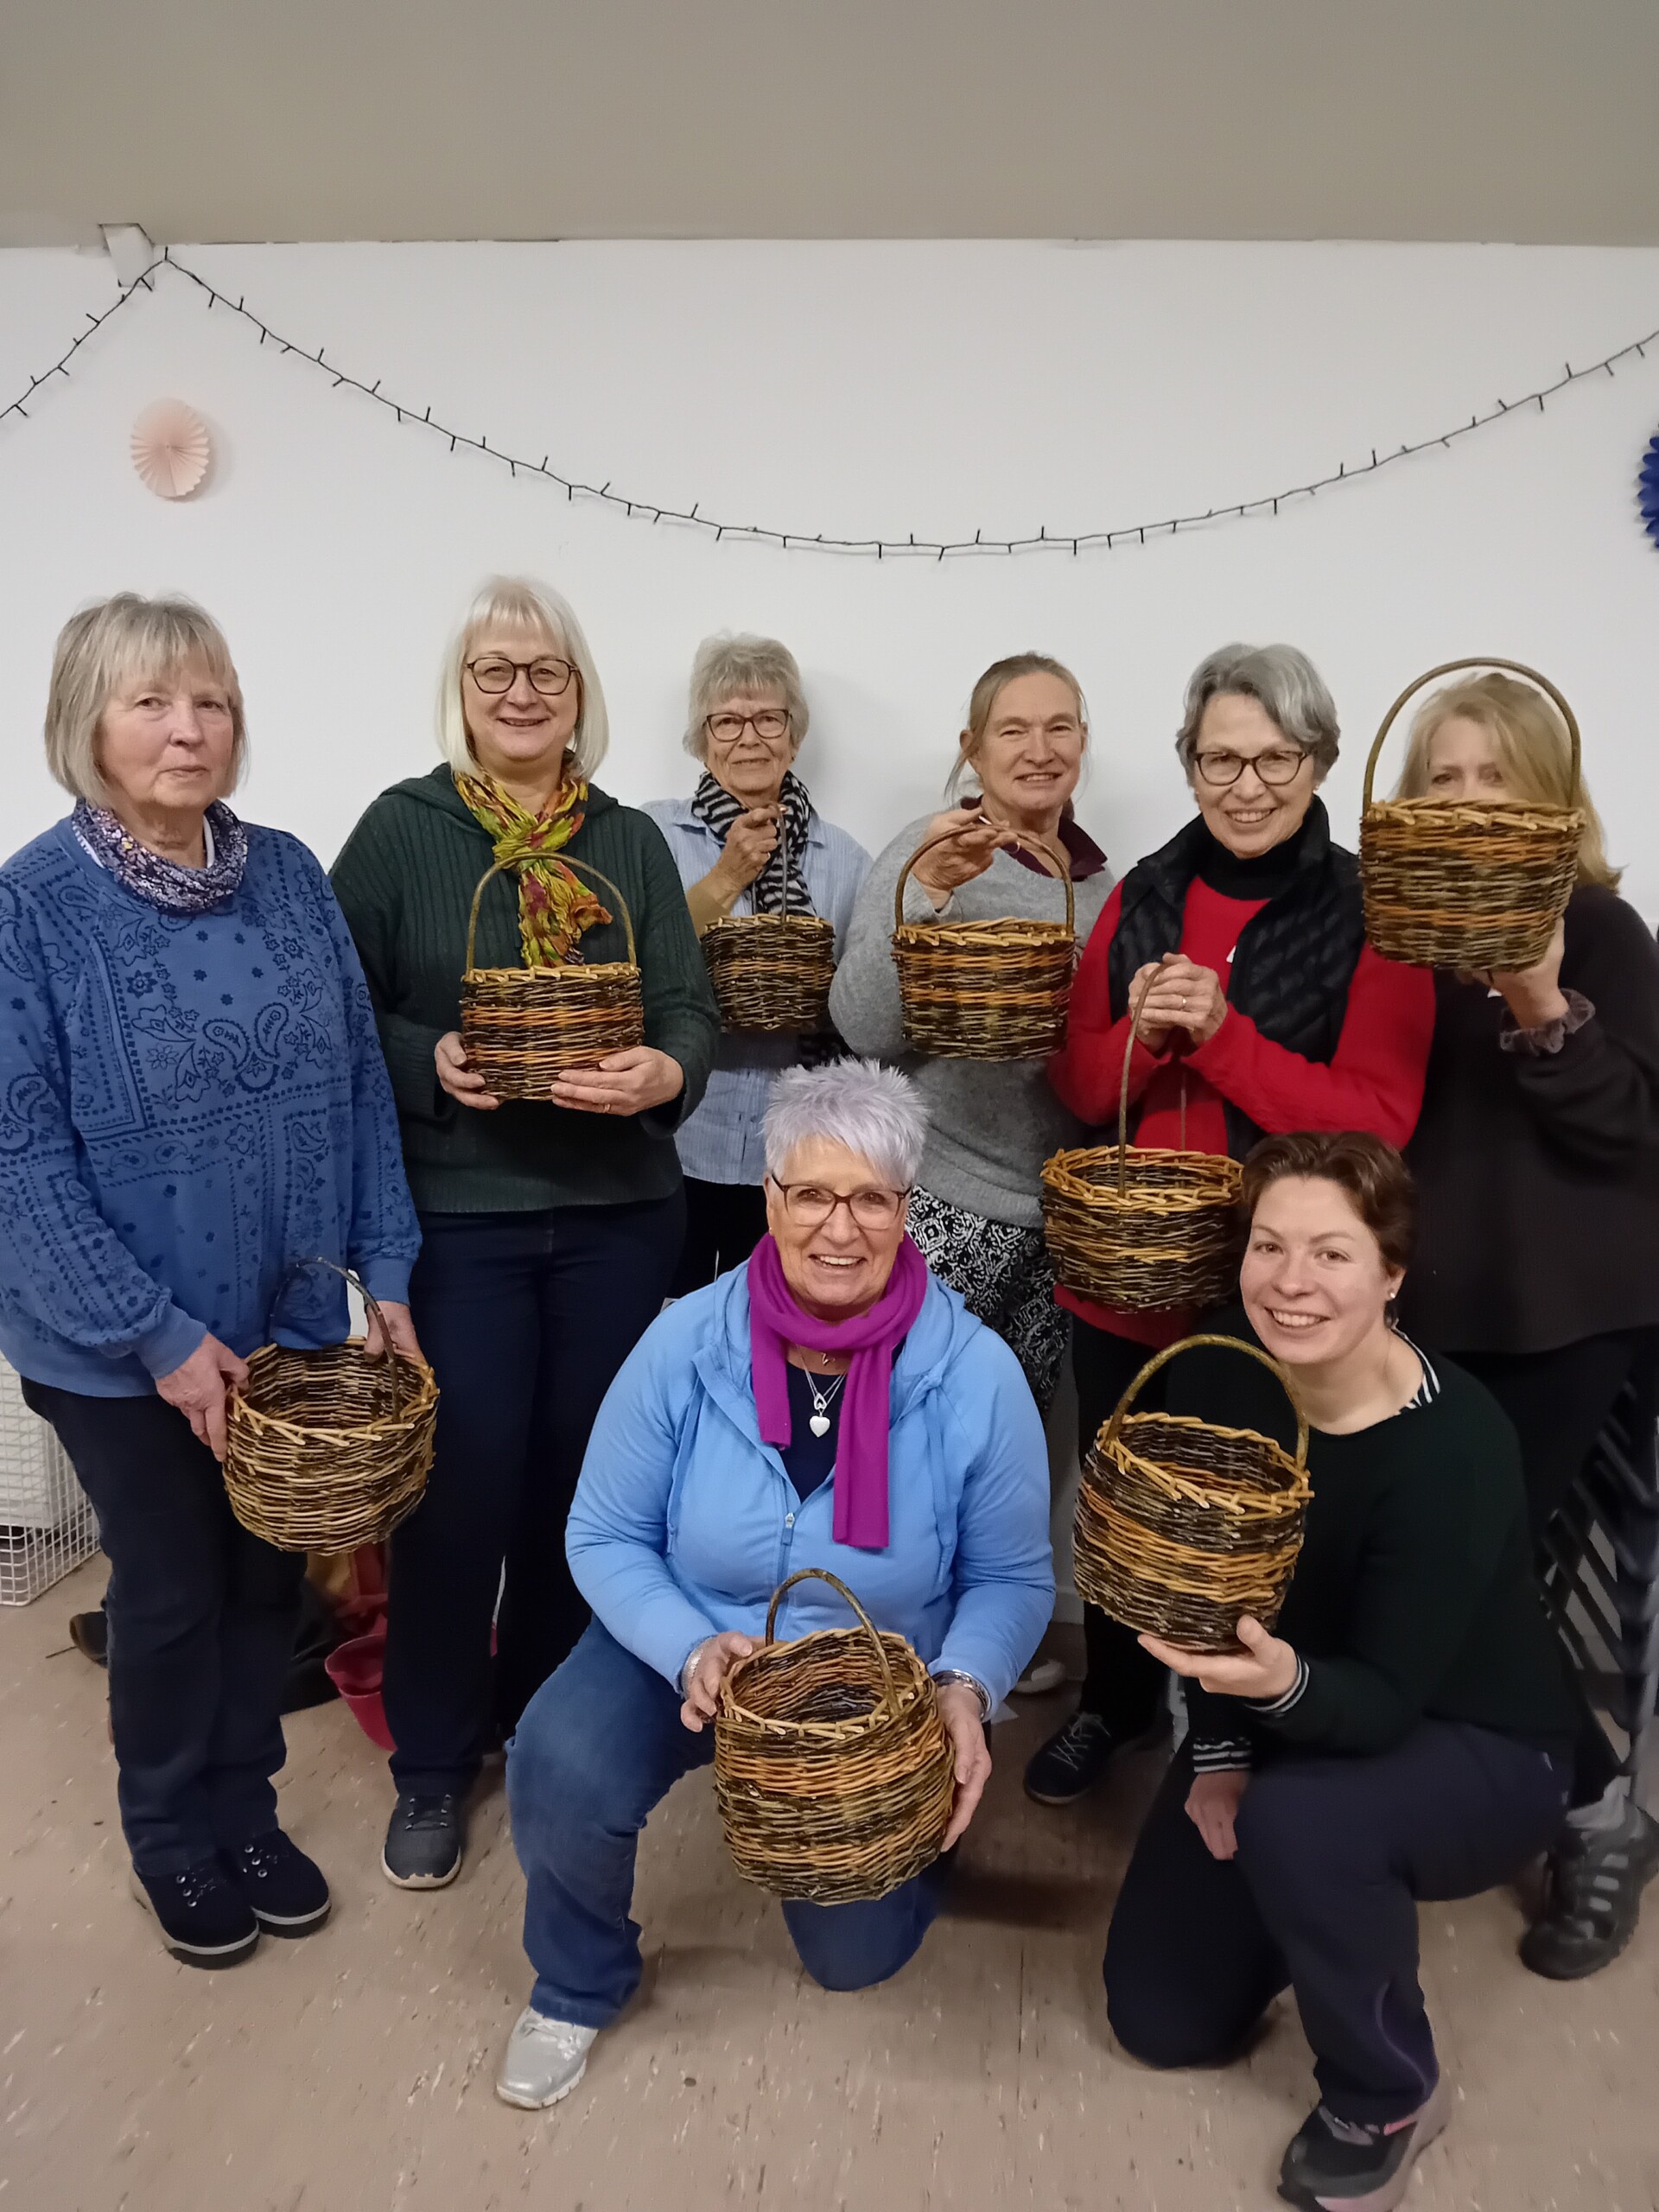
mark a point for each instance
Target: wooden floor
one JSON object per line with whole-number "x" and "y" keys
{"x": 351, "y": 2072}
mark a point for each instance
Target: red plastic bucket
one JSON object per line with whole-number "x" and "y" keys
{"x": 356, "y": 1669}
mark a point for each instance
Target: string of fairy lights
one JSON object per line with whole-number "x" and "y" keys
{"x": 639, "y": 509}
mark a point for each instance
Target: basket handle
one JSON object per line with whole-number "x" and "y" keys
{"x": 1037, "y": 846}
{"x": 1231, "y": 1343}
{"x": 350, "y": 1276}
{"x": 588, "y": 869}
{"x": 1123, "y": 1089}
{"x": 822, "y": 1575}
{"x": 1449, "y": 668}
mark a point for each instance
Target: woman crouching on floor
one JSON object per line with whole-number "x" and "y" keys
{"x": 829, "y": 1404}
{"x": 1407, "y": 1731}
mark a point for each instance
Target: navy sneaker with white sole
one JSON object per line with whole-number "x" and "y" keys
{"x": 285, "y": 1890}
{"x": 204, "y": 1918}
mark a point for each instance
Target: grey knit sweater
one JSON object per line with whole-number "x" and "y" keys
{"x": 991, "y": 1124}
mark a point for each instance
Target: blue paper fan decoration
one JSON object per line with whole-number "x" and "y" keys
{"x": 1648, "y": 490}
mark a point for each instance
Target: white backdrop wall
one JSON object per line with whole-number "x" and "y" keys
{"x": 850, "y": 388}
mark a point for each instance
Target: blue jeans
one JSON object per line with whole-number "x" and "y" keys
{"x": 600, "y": 1745}
{"x": 201, "y": 1621}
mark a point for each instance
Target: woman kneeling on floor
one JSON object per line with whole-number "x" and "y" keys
{"x": 1405, "y": 1733}
{"x": 829, "y": 1405}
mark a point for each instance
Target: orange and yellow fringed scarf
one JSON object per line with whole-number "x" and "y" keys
{"x": 555, "y": 906}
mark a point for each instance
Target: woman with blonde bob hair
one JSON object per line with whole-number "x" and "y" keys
{"x": 1537, "y": 1159}
{"x": 195, "y": 1106}
{"x": 551, "y": 1229}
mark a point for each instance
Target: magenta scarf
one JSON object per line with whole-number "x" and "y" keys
{"x": 775, "y": 1321}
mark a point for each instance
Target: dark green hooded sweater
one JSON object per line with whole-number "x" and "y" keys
{"x": 405, "y": 881}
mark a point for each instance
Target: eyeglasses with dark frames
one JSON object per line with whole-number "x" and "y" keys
{"x": 769, "y": 725}
{"x": 495, "y": 673}
{"x": 1280, "y": 765}
{"x": 809, "y": 1205}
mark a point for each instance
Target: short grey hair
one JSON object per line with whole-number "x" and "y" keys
{"x": 726, "y": 665}
{"x": 1284, "y": 684}
{"x": 873, "y": 1110}
{"x": 105, "y": 649}
{"x": 522, "y": 603}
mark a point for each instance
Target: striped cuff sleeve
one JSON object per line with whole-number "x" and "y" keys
{"x": 1222, "y": 1755}
{"x": 1270, "y": 1709}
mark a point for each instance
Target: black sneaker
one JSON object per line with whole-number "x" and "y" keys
{"x": 1335, "y": 2162}
{"x": 205, "y": 1920}
{"x": 1593, "y": 1899}
{"x": 286, "y": 1890}
{"x": 1075, "y": 1758}
{"x": 424, "y": 1842}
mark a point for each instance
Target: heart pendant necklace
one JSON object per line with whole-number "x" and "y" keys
{"x": 822, "y": 1402}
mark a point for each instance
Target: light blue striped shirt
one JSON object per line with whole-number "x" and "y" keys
{"x": 721, "y": 1141}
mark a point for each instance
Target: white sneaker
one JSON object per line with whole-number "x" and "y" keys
{"x": 543, "y": 2061}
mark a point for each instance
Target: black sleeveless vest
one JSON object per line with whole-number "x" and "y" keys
{"x": 1295, "y": 959}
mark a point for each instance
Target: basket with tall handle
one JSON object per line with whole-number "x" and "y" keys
{"x": 772, "y": 971}
{"x": 1183, "y": 1526}
{"x": 833, "y": 1771}
{"x": 522, "y": 1028}
{"x": 1473, "y": 883}
{"x": 1136, "y": 1228}
{"x": 989, "y": 991}
{"x": 328, "y": 1449}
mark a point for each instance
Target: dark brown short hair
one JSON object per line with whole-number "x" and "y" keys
{"x": 1372, "y": 1174}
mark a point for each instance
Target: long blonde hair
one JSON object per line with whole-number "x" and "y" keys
{"x": 522, "y": 603}
{"x": 1533, "y": 749}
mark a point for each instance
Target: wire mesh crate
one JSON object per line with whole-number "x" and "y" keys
{"x": 47, "y": 1523}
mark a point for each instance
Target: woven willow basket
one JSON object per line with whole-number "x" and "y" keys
{"x": 772, "y": 971}
{"x": 1139, "y": 1228}
{"x": 1182, "y": 1527}
{"x": 327, "y": 1450}
{"x": 522, "y": 1028}
{"x": 833, "y": 1772}
{"x": 1461, "y": 883}
{"x": 993, "y": 990}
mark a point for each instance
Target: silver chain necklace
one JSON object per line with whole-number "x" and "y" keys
{"x": 822, "y": 1402}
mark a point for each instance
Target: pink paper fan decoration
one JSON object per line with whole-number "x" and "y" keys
{"x": 171, "y": 449}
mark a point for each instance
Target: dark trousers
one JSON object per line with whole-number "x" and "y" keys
{"x": 1122, "y": 1684}
{"x": 599, "y": 1748}
{"x": 1559, "y": 1401}
{"x": 201, "y": 1627}
{"x": 1334, "y": 1855}
{"x": 724, "y": 1222}
{"x": 526, "y": 1318}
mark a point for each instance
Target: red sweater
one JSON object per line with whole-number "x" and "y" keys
{"x": 1374, "y": 1080}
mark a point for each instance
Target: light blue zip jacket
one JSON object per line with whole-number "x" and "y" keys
{"x": 684, "y": 1522}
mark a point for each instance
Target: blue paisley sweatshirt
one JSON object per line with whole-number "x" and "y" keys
{"x": 189, "y": 1107}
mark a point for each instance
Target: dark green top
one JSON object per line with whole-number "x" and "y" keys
{"x": 405, "y": 881}
{"x": 1415, "y": 1596}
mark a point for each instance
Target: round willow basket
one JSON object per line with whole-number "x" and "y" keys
{"x": 522, "y": 1028}
{"x": 993, "y": 990}
{"x": 1145, "y": 1230}
{"x": 833, "y": 1772}
{"x": 327, "y": 1450}
{"x": 772, "y": 971}
{"x": 1467, "y": 883}
{"x": 1183, "y": 1527}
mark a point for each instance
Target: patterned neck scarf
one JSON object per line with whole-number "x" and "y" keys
{"x": 163, "y": 882}
{"x": 555, "y": 906}
{"x": 770, "y": 893}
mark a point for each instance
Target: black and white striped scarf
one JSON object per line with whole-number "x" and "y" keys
{"x": 715, "y": 807}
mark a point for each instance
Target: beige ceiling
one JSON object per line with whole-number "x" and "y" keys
{"x": 1530, "y": 120}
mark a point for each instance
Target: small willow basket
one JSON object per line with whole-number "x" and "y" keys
{"x": 522, "y": 1028}
{"x": 1135, "y": 1228}
{"x": 833, "y": 1772}
{"x": 327, "y": 1450}
{"x": 1182, "y": 1526}
{"x": 1463, "y": 883}
{"x": 993, "y": 990}
{"x": 772, "y": 971}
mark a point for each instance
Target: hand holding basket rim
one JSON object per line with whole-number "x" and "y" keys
{"x": 1265, "y": 1669}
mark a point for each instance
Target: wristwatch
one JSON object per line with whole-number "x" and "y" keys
{"x": 967, "y": 1683}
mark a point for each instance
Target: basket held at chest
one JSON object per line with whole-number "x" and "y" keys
{"x": 328, "y": 1449}
{"x": 1467, "y": 884}
{"x": 1183, "y": 1526}
{"x": 991, "y": 990}
{"x": 833, "y": 1773}
{"x": 522, "y": 1028}
{"x": 772, "y": 971}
